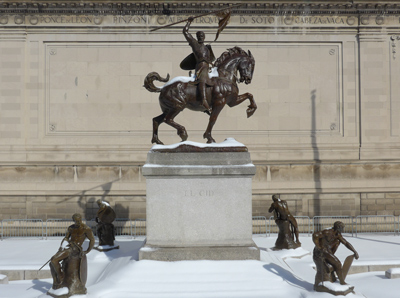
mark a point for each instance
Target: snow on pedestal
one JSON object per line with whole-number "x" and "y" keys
{"x": 334, "y": 288}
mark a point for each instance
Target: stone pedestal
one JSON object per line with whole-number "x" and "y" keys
{"x": 199, "y": 202}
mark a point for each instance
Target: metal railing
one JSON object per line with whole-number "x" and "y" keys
{"x": 22, "y": 228}
{"x": 139, "y": 226}
{"x": 304, "y": 224}
{"x": 57, "y": 227}
{"x": 324, "y": 222}
{"x": 123, "y": 227}
{"x": 260, "y": 225}
{"x": 272, "y": 227}
{"x": 376, "y": 224}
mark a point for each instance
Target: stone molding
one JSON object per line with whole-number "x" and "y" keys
{"x": 313, "y": 7}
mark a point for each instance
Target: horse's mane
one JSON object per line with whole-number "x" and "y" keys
{"x": 228, "y": 54}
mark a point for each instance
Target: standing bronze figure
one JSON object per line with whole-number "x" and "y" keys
{"x": 105, "y": 228}
{"x": 69, "y": 265}
{"x": 286, "y": 223}
{"x": 327, "y": 264}
{"x": 177, "y": 95}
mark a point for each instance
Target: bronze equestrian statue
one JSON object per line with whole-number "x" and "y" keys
{"x": 179, "y": 94}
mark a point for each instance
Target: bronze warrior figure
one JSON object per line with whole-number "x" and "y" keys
{"x": 201, "y": 59}
{"x": 71, "y": 272}
{"x": 105, "y": 228}
{"x": 326, "y": 243}
{"x": 286, "y": 222}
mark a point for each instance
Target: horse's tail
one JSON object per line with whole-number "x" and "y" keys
{"x": 150, "y": 78}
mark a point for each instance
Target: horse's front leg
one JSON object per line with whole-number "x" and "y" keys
{"x": 216, "y": 109}
{"x": 241, "y": 98}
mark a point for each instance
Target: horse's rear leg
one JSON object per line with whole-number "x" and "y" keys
{"x": 241, "y": 98}
{"x": 156, "y": 123}
{"x": 169, "y": 119}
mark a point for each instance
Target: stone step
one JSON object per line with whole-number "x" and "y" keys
{"x": 3, "y": 279}
{"x": 21, "y": 274}
{"x": 354, "y": 269}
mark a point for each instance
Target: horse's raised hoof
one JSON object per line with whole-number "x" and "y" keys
{"x": 250, "y": 111}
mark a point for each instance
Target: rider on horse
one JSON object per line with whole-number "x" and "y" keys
{"x": 200, "y": 60}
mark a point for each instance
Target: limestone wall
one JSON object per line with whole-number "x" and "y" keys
{"x": 75, "y": 121}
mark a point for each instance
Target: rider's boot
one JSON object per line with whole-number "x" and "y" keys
{"x": 203, "y": 96}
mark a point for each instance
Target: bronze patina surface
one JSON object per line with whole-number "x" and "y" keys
{"x": 105, "y": 228}
{"x": 69, "y": 266}
{"x": 287, "y": 224}
{"x": 329, "y": 268}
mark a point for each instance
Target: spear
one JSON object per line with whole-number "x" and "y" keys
{"x": 202, "y": 15}
{"x": 50, "y": 258}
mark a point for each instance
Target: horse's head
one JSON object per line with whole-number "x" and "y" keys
{"x": 246, "y": 68}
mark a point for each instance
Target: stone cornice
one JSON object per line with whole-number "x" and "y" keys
{"x": 310, "y": 7}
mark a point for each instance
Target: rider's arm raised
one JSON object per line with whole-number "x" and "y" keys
{"x": 186, "y": 33}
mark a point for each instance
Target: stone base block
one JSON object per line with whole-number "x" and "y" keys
{"x": 26, "y": 274}
{"x": 3, "y": 279}
{"x": 334, "y": 288}
{"x": 199, "y": 253}
{"x": 105, "y": 248}
{"x": 393, "y": 273}
{"x": 198, "y": 202}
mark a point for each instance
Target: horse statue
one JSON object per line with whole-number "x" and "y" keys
{"x": 180, "y": 92}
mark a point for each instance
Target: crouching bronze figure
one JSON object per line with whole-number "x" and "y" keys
{"x": 329, "y": 268}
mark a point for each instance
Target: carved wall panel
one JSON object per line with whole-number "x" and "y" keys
{"x": 96, "y": 88}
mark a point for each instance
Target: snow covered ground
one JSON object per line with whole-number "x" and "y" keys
{"x": 289, "y": 273}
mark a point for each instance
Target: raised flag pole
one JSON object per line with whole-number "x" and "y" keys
{"x": 202, "y": 15}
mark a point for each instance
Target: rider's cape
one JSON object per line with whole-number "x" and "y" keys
{"x": 189, "y": 62}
